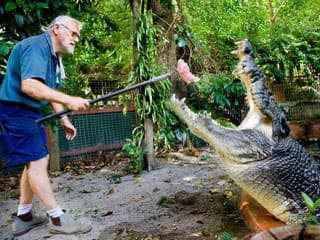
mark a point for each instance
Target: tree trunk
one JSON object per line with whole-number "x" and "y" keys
{"x": 148, "y": 125}
{"x": 135, "y": 7}
{"x": 54, "y": 151}
{"x": 167, "y": 19}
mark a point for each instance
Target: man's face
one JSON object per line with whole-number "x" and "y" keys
{"x": 69, "y": 36}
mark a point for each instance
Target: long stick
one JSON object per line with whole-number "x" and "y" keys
{"x": 110, "y": 95}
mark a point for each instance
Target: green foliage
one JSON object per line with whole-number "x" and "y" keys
{"x": 219, "y": 24}
{"x": 290, "y": 54}
{"x": 168, "y": 131}
{"x": 312, "y": 206}
{"x": 102, "y": 54}
{"x": 164, "y": 201}
{"x": 151, "y": 101}
{"x": 134, "y": 150}
{"x": 185, "y": 37}
{"x": 114, "y": 178}
{"x": 225, "y": 236}
{"x": 214, "y": 94}
{"x": 146, "y": 49}
{"x": 282, "y": 49}
{"x": 53, "y": 123}
{"x": 20, "y": 19}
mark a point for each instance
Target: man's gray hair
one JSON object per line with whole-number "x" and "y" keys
{"x": 64, "y": 19}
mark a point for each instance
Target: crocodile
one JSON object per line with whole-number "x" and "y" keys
{"x": 259, "y": 154}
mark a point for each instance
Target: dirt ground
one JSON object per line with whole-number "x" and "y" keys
{"x": 187, "y": 197}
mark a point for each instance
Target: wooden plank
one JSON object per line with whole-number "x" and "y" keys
{"x": 98, "y": 148}
{"x": 304, "y": 130}
{"x": 53, "y": 148}
{"x": 148, "y": 128}
{"x": 107, "y": 109}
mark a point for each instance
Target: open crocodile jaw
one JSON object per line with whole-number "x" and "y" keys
{"x": 273, "y": 178}
{"x": 259, "y": 156}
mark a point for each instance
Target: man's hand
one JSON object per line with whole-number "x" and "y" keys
{"x": 77, "y": 103}
{"x": 184, "y": 72}
{"x": 68, "y": 128}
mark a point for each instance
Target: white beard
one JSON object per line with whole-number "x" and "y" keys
{"x": 67, "y": 47}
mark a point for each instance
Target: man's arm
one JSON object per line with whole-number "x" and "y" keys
{"x": 57, "y": 107}
{"x": 37, "y": 90}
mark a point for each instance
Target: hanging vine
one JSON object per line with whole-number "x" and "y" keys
{"x": 150, "y": 101}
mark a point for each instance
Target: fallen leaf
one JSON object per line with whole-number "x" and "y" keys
{"x": 207, "y": 233}
{"x": 138, "y": 199}
{"x": 111, "y": 191}
{"x": 199, "y": 220}
{"x": 222, "y": 182}
{"x": 156, "y": 189}
{"x": 215, "y": 190}
{"x": 228, "y": 193}
{"x": 137, "y": 179}
{"x": 107, "y": 214}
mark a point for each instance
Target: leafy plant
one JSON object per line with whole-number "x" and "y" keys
{"x": 185, "y": 37}
{"x": 150, "y": 101}
{"x": 225, "y": 236}
{"x": 53, "y": 123}
{"x": 312, "y": 206}
{"x": 199, "y": 185}
{"x": 114, "y": 178}
{"x": 69, "y": 189}
{"x": 102, "y": 56}
{"x": 20, "y": 19}
{"x": 287, "y": 55}
{"x": 214, "y": 94}
{"x": 164, "y": 201}
{"x": 282, "y": 49}
{"x": 134, "y": 150}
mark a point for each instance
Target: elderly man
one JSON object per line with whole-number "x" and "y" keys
{"x": 34, "y": 72}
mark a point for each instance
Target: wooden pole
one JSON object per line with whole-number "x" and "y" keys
{"x": 54, "y": 151}
{"x": 148, "y": 139}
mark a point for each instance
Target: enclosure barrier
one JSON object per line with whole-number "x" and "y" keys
{"x": 300, "y": 103}
{"x": 99, "y": 130}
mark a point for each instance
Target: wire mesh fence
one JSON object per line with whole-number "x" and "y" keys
{"x": 104, "y": 129}
{"x": 99, "y": 131}
{"x": 300, "y": 100}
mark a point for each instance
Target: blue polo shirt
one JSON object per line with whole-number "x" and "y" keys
{"x": 35, "y": 58}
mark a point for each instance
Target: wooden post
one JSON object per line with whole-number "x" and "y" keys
{"x": 54, "y": 151}
{"x": 148, "y": 139}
